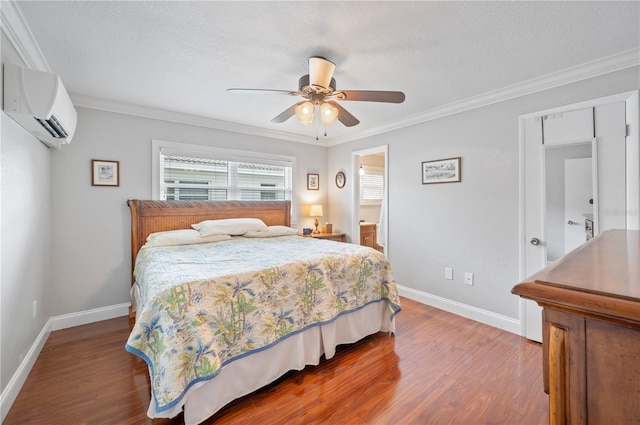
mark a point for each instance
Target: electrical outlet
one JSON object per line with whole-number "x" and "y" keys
{"x": 35, "y": 308}
{"x": 448, "y": 273}
{"x": 468, "y": 278}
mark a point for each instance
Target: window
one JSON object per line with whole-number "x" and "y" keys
{"x": 188, "y": 172}
{"x": 267, "y": 196}
{"x": 371, "y": 186}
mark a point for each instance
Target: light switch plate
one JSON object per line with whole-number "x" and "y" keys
{"x": 468, "y": 278}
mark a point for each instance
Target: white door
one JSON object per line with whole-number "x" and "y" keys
{"x": 605, "y": 121}
{"x": 578, "y": 201}
{"x": 550, "y": 130}
{"x": 535, "y": 249}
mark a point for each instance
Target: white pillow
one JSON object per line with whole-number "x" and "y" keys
{"x": 181, "y": 237}
{"x": 272, "y": 231}
{"x": 229, "y": 226}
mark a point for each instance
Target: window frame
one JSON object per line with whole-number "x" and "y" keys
{"x": 159, "y": 147}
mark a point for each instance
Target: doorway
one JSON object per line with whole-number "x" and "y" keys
{"x": 370, "y": 197}
{"x": 571, "y": 201}
{"x": 608, "y": 128}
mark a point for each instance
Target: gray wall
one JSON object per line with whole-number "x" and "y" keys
{"x": 91, "y": 261}
{"x": 25, "y": 231}
{"x": 470, "y": 226}
{"x": 26, "y": 242}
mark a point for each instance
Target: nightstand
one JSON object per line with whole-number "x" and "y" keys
{"x": 338, "y": 237}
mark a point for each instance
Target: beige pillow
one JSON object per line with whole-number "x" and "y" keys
{"x": 181, "y": 237}
{"x": 229, "y": 226}
{"x": 272, "y": 231}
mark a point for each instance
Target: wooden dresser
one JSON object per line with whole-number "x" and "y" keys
{"x": 368, "y": 234}
{"x": 591, "y": 330}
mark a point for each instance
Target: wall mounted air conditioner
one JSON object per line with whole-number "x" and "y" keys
{"x": 39, "y": 102}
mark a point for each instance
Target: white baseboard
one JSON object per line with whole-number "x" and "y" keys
{"x": 18, "y": 379}
{"x": 479, "y": 315}
{"x": 89, "y": 316}
{"x": 64, "y": 321}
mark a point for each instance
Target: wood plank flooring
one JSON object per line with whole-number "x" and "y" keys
{"x": 439, "y": 368}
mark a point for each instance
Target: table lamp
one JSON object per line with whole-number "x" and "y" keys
{"x": 316, "y": 211}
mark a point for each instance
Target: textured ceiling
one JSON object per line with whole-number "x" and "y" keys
{"x": 181, "y": 56}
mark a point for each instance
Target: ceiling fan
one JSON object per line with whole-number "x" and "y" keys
{"x": 318, "y": 89}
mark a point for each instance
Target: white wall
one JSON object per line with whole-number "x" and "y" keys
{"x": 91, "y": 264}
{"x": 470, "y": 226}
{"x": 25, "y": 231}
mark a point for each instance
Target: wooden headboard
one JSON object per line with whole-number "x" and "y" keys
{"x": 156, "y": 216}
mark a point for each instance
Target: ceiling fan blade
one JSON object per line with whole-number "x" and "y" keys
{"x": 320, "y": 71}
{"x": 285, "y": 115}
{"x": 262, "y": 91}
{"x": 370, "y": 96}
{"x": 345, "y": 116}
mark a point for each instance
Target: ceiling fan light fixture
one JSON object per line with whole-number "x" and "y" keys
{"x": 318, "y": 89}
{"x": 328, "y": 113}
{"x": 304, "y": 113}
{"x": 320, "y": 71}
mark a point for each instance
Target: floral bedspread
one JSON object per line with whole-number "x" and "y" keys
{"x": 203, "y": 306}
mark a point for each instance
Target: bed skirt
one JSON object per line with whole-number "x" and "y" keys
{"x": 253, "y": 372}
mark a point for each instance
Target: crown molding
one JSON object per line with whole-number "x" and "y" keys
{"x": 609, "y": 64}
{"x": 19, "y": 34}
{"x": 188, "y": 119}
{"x": 596, "y": 68}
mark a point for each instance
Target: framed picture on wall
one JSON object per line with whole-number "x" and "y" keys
{"x": 441, "y": 171}
{"x": 341, "y": 179}
{"x": 105, "y": 173}
{"x": 313, "y": 181}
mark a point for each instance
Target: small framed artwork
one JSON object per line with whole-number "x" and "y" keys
{"x": 441, "y": 171}
{"x": 105, "y": 173}
{"x": 341, "y": 179}
{"x": 313, "y": 181}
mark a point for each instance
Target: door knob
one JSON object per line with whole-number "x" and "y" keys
{"x": 571, "y": 222}
{"x": 535, "y": 241}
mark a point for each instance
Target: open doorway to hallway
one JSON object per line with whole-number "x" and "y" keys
{"x": 370, "y": 198}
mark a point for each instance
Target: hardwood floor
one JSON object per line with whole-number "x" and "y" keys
{"x": 439, "y": 368}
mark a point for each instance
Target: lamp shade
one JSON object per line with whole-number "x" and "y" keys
{"x": 328, "y": 113}
{"x": 316, "y": 211}
{"x": 304, "y": 112}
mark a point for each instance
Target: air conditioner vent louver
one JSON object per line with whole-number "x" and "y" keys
{"x": 54, "y": 128}
{"x": 38, "y": 101}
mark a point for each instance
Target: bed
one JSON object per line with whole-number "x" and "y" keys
{"x": 216, "y": 321}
